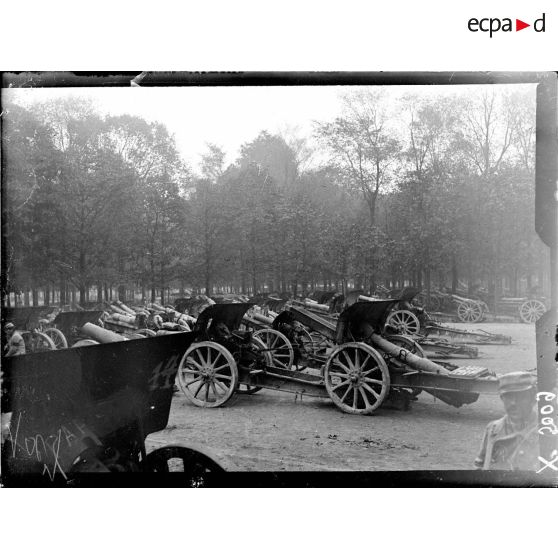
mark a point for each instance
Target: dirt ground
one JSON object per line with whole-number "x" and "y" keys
{"x": 270, "y": 431}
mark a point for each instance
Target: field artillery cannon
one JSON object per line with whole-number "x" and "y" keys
{"x": 409, "y": 319}
{"x": 367, "y": 367}
{"x": 69, "y": 325}
{"x": 527, "y": 310}
{"x": 476, "y": 309}
{"x": 89, "y": 409}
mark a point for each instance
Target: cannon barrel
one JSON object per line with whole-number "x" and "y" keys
{"x": 126, "y": 309}
{"x": 311, "y": 305}
{"x": 261, "y": 318}
{"x": 123, "y": 318}
{"x": 118, "y": 310}
{"x": 366, "y": 298}
{"x": 100, "y": 334}
{"x": 414, "y": 361}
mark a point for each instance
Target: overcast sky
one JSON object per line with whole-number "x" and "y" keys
{"x": 227, "y": 116}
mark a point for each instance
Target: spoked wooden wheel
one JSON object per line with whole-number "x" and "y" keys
{"x": 191, "y": 466}
{"x": 58, "y": 338}
{"x": 356, "y": 378}
{"x": 470, "y": 311}
{"x": 405, "y": 322}
{"x": 207, "y": 374}
{"x": 258, "y": 348}
{"x": 279, "y": 347}
{"x": 531, "y": 310}
{"x": 37, "y": 342}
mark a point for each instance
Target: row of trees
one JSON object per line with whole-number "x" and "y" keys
{"x": 428, "y": 191}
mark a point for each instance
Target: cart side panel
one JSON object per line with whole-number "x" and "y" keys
{"x": 65, "y": 401}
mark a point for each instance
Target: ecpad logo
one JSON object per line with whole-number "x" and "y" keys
{"x": 494, "y": 24}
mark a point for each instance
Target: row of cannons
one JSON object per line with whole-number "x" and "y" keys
{"x": 89, "y": 408}
{"x": 44, "y": 328}
{"x": 447, "y": 306}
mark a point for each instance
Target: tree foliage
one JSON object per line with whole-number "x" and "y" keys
{"x": 429, "y": 191}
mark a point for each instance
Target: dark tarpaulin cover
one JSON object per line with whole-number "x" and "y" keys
{"x": 374, "y": 313}
{"x": 229, "y": 314}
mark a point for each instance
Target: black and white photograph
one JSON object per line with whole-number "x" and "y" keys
{"x": 279, "y": 279}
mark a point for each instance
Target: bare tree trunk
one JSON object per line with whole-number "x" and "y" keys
{"x": 454, "y": 275}
{"x": 62, "y": 292}
{"x": 427, "y": 280}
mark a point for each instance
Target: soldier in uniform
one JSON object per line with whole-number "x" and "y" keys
{"x": 15, "y": 345}
{"x": 511, "y": 442}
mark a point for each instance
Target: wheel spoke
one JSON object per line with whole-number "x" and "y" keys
{"x": 221, "y": 385}
{"x": 338, "y": 362}
{"x": 348, "y": 359}
{"x": 373, "y": 392}
{"x": 207, "y": 391}
{"x": 192, "y": 361}
{"x": 201, "y": 357}
{"x": 214, "y": 390}
{"x": 202, "y": 383}
{"x": 223, "y": 376}
{"x": 340, "y": 374}
{"x": 364, "y": 398}
{"x": 221, "y": 367}
{"x": 357, "y": 359}
{"x": 219, "y": 355}
{"x": 192, "y": 382}
{"x": 341, "y": 385}
{"x": 367, "y": 372}
{"x": 345, "y": 394}
{"x": 365, "y": 361}
{"x": 372, "y": 381}
{"x": 355, "y": 398}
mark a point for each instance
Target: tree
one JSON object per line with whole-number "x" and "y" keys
{"x": 363, "y": 146}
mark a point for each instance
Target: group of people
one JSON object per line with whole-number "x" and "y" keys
{"x": 509, "y": 443}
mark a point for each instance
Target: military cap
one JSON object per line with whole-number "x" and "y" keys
{"x": 516, "y": 381}
{"x": 9, "y": 325}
